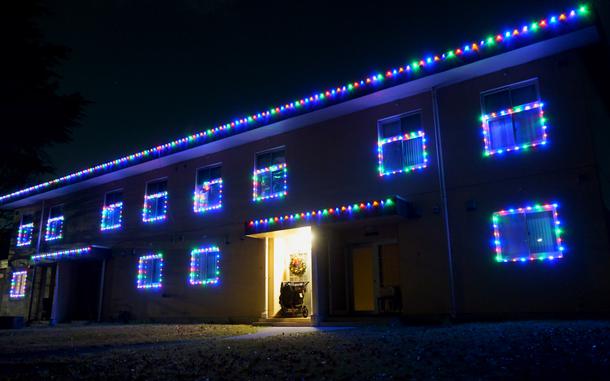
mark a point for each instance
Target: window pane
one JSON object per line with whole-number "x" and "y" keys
{"x": 215, "y": 172}
{"x": 277, "y": 178}
{"x": 55, "y": 211}
{"x": 528, "y": 126}
{"x": 413, "y": 152}
{"x": 390, "y": 129}
{"x": 213, "y": 197}
{"x": 203, "y": 175}
{"x": 278, "y": 157}
{"x": 501, "y": 132}
{"x": 114, "y": 197}
{"x": 392, "y": 156}
{"x": 210, "y": 265}
{"x": 541, "y": 231}
{"x": 263, "y": 160}
{"x": 513, "y": 235}
{"x": 26, "y": 219}
{"x": 410, "y": 123}
{"x": 524, "y": 94}
{"x": 264, "y": 184}
{"x": 496, "y": 101}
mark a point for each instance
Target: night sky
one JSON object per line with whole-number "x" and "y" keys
{"x": 157, "y": 70}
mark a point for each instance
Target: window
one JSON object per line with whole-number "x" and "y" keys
{"x": 26, "y": 230}
{"x": 150, "y": 271}
{"x": 270, "y": 175}
{"x": 155, "y": 201}
{"x": 18, "y": 280}
{"x": 112, "y": 212}
{"x": 529, "y": 233}
{"x": 513, "y": 119}
{"x": 204, "y": 268}
{"x": 208, "y": 189}
{"x": 55, "y": 224}
{"x": 401, "y": 146}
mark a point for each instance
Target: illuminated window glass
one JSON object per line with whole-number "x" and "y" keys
{"x": 204, "y": 267}
{"x": 208, "y": 189}
{"x": 401, "y": 146}
{"x": 55, "y": 224}
{"x": 513, "y": 119}
{"x": 18, "y": 281}
{"x": 112, "y": 212}
{"x": 528, "y": 233}
{"x": 270, "y": 178}
{"x": 150, "y": 271}
{"x": 155, "y": 201}
{"x": 26, "y": 230}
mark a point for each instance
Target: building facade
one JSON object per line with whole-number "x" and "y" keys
{"x": 468, "y": 184}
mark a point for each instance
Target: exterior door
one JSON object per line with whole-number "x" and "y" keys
{"x": 363, "y": 278}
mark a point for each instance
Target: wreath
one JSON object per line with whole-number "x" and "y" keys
{"x": 297, "y": 266}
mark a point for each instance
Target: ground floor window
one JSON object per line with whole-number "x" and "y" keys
{"x": 527, "y": 233}
{"x": 18, "y": 281}
{"x": 205, "y": 269}
{"x": 150, "y": 271}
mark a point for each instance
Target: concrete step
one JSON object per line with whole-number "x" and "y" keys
{"x": 283, "y": 322}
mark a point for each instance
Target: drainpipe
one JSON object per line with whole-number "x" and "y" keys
{"x": 38, "y": 240}
{"x": 443, "y": 192}
{"x": 101, "y": 298}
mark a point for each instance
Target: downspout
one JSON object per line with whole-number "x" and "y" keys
{"x": 37, "y": 252}
{"x": 443, "y": 193}
{"x": 101, "y": 298}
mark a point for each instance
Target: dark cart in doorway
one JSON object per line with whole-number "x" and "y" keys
{"x": 292, "y": 295}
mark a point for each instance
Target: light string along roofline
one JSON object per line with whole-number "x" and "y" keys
{"x": 318, "y": 99}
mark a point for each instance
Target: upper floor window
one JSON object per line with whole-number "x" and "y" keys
{"x": 18, "y": 282}
{"x": 112, "y": 212}
{"x": 204, "y": 267}
{"x": 55, "y": 224}
{"x": 270, "y": 178}
{"x": 513, "y": 118}
{"x": 26, "y": 230}
{"x": 527, "y": 233}
{"x": 150, "y": 271}
{"x": 208, "y": 189}
{"x": 401, "y": 144}
{"x": 155, "y": 201}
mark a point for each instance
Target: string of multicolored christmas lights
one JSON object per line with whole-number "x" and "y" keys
{"x": 147, "y": 212}
{"x": 410, "y": 168}
{"x": 195, "y": 275}
{"x": 487, "y": 118}
{"x": 201, "y": 201}
{"x": 110, "y": 214}
{"x": 257, "y": 194}
{"x": 317, "y": 216}
{"x": 55, "y": 228}
{"x": 18, "y": 282}
{"x": 144, "y": 263}
{"x": 24, "y": 234}
{"x": 320, "y": 99}
{"x": 528, "y": 256}
{"x": 54, "y": 255}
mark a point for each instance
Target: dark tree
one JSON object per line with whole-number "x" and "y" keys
{"x": 33, "y": 114}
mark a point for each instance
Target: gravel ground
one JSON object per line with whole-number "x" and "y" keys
{"x": 577, "y": 350}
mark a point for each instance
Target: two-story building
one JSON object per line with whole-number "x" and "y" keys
{"x": 467, "y": 183}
